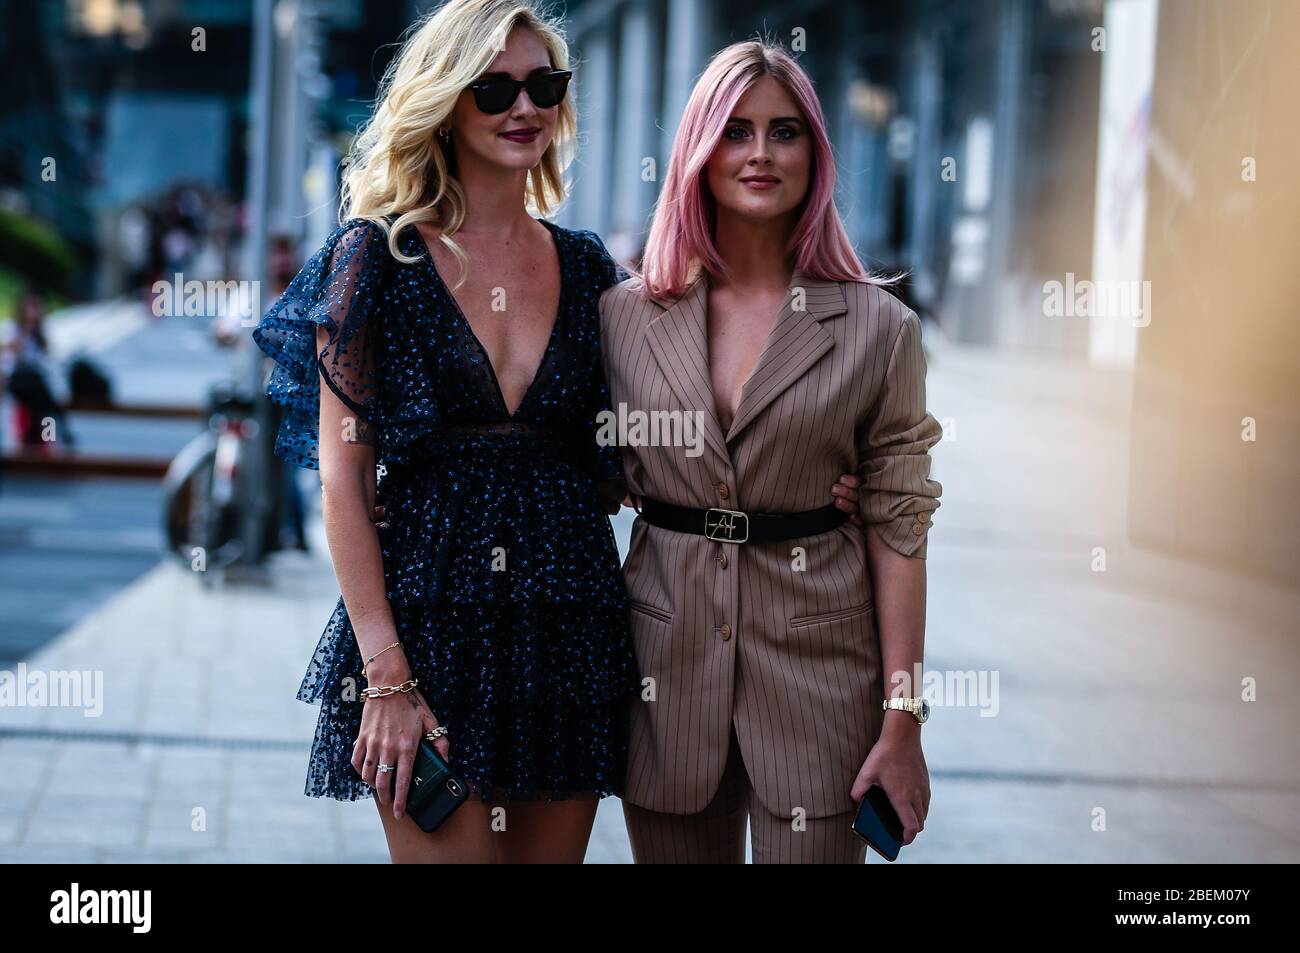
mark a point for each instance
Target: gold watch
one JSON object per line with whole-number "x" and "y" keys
{"x": 919, "y": 707}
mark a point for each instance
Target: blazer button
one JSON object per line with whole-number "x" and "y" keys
{"x": 722, "y": 559}
{"x": 726, "y": 632}
{"x": 723, "y": 491}
{"x": 918, "y": 529}
{"x": 923, "y": 517}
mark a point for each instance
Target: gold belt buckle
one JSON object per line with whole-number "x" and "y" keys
{"x": 721, "y": 525}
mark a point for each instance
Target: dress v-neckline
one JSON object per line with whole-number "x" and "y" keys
{"x": 469, "y": 328}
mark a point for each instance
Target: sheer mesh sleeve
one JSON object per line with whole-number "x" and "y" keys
{"x": 607, "y": 460}
{"x": 338, "y": 289}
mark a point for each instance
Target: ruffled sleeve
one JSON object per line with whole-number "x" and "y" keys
{"x": 897, "y": 495}
{"x": 607, "y": 460}
{"x": 338, "y": 289}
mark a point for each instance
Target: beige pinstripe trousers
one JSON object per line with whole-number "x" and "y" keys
{"x": 716, "y": 835}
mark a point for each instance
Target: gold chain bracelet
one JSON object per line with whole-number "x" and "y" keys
{"x": 383, "y": 691}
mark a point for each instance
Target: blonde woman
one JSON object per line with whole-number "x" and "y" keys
{"x": 456, "y": 336}
{"x": 768, "y": 624}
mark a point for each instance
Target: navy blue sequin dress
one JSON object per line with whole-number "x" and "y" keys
{"x": 499, "y": 559}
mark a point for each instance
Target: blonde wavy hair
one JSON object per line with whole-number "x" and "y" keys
{"x": 399, "y": 166}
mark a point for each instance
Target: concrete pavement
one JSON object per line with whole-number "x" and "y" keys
{"x": 1120, "y": 732}
{"x": 69, "y": 542}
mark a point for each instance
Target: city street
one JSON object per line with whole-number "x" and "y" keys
{"x": 68, "y": 544}
{"x": 1082, "y": 204}
{"x": 1117, "y": 732}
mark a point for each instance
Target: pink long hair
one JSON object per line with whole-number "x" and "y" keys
{"x": 681, "y": 235}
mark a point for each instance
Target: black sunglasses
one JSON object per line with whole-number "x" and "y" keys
{"x": 496, "y": 94}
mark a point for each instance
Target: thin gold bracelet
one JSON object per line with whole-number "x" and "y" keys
{"x": 376, "y": 655}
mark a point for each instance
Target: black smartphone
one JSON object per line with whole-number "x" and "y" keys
{"x": 877, "y": 823}
{"x": 435, "y": 790}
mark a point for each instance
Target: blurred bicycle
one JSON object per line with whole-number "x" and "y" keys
{"x": 217, "y": 511}
{"x": 228, "y": 500}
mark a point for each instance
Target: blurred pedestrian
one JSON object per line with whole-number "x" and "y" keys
{"x": 285, "y": 527}
{"x": 289, "y": 529}
{"x": 26, "y": 365}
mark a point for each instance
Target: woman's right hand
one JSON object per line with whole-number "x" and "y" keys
{"x": 391, "y": 729}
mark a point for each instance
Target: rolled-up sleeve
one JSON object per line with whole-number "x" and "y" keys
{"x": 897, "y": 496}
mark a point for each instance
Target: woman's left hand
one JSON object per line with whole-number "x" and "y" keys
{"x": 613, "y": 495}
{"x": 897, "y": 764}
{"x": 845, "y": 492}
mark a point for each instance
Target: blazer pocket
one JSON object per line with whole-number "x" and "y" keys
{"x": 835, "y": 615}
{"x": 654, "y": 612}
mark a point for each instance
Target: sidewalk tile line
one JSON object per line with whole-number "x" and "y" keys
{"x": 993, "y": 777}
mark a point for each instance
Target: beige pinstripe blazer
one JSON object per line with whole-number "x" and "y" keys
{"x": 779, "y": 638}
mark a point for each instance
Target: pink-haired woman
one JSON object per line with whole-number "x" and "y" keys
{"x": 764, "y": 622}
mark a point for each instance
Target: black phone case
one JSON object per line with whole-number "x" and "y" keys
{"x": 877, "y": 823}
{"x": 435, "y": 790}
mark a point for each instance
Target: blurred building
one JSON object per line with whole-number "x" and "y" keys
{"x": 45, "y": 180}
{"x": 147, "y": 105}
{"x": 1216, "y": 406}
{"x": 966, "y": 132}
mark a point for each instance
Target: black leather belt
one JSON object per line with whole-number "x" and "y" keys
{"x": 736, "y": 526}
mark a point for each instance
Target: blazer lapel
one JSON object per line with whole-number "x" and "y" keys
{"x": 678, "y": 340}
{"x": 796, "y": 342}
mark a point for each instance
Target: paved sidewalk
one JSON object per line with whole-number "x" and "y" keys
{"x": 199, "y": 753}
{"x": 1118, "y": 692}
